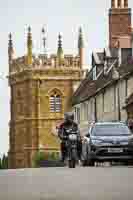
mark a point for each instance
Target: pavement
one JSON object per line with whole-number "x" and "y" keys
{"x": 62, "y": 183}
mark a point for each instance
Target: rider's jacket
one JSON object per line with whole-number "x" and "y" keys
{"x": 64, "y": 126}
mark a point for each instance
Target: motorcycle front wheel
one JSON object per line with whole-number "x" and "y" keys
{"x": 72, "y": 163}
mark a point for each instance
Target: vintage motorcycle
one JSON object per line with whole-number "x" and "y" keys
{"x": 71, "y": 145}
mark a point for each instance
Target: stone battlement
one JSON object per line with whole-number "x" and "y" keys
{"x": 44, "y": 61}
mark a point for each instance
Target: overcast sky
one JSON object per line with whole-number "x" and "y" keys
{"x": 56, "y": 16}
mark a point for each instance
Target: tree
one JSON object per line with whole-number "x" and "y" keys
{"x": 0, "y": 164}
{"x": 4, "y": 162}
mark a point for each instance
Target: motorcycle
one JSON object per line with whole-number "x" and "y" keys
{"x": 71, "y": 143}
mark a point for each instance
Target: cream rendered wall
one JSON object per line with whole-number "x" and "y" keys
{"x": 130, "y": 86}
{"x": 122, "y": 89}
{"x": 99, "y": 106}
{"x": 106, "y": 104}
{"x": 109, "y": 104}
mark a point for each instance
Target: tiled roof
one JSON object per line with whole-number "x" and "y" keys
{"x": 91, "y": 87}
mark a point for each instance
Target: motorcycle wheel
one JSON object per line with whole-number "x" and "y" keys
{"x": 91, "y": 163}
{"x": 72, "y": 163}
{"x": 84, "y": 163}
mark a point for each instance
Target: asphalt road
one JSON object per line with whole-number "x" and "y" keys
{"x": 96, "y": 183}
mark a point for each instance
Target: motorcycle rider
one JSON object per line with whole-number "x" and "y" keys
{"x": 67, "y": 124}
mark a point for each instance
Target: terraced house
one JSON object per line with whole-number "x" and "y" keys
{"x": 106, "y": 93}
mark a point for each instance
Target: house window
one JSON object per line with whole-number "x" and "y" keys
{"x": 94, "y": 73}
{"x": 85, "y": 111}
{"x": 55, "y": 102}
{"x": 78, "y": 115}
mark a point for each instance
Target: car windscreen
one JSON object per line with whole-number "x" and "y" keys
{"x": 110, "y": 130}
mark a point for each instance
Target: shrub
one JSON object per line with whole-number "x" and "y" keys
{"x": 0, "y": 164}
{"x": 38, "y": 157}
{"x": 4, "y": 162}
{"x": 54, "y": 156}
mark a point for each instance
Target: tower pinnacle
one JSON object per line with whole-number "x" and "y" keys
{"x": 80, "y": 46}
{"x": 29, "y": 46}
{"x": 60, "y": 53}
{"x": 44, "y": 39}
{"x": 80, "y": 39}
{"x": 10, "y": 48}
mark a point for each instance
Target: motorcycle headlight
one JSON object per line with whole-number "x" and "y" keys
{"x": 73, "y": 137}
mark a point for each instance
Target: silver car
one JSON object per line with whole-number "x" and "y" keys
{"x": 107, "y": 141}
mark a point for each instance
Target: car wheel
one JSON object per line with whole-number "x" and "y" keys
{"x": 72, "y": 163}
{"x": 130, "y": 163}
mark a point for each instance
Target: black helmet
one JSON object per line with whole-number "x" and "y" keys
{"x": 69, "y": 116}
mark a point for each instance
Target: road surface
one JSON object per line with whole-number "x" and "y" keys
{"x": 89, "y": 183}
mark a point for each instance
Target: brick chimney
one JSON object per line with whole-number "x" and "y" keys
{"x": 119, "y": 21}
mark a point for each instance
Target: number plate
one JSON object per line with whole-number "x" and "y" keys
{"x": 115, "y": 150}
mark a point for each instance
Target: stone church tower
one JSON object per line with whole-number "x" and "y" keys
{"x": 41, "y": 88}
{"x": 120, "y": 24}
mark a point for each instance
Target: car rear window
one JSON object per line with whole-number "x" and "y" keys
{"x": 110, "y": 129}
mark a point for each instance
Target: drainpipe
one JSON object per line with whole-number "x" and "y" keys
{"x": 119, "y": 55}
{"x": 132, "y": 43}
{"x": 95, "y": 109}
{"x": 119, "y": 109}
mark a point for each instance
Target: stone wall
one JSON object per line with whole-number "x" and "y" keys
{"x": 32, "y": 121}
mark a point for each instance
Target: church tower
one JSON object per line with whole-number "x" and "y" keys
{"x": 119, "y": 23}
{"x": 41, "y": 88}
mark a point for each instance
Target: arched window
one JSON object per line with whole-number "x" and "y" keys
{"x": 55, "y": 102}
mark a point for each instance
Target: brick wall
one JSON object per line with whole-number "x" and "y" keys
{"x": 119, "y": 24}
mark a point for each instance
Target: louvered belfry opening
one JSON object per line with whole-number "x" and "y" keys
{"x": 112, "y": 3}
{"x": 55, "y": 102}
{"x": 125, "y": 3}
{"x": 119, "y": 3}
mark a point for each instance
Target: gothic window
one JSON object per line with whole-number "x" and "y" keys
{"x": 55, "y": 102}
{"x": 78, "y": 115}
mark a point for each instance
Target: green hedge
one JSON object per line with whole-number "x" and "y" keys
{"x": 0, "y": 164}
{"x": 41, "y": 156}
